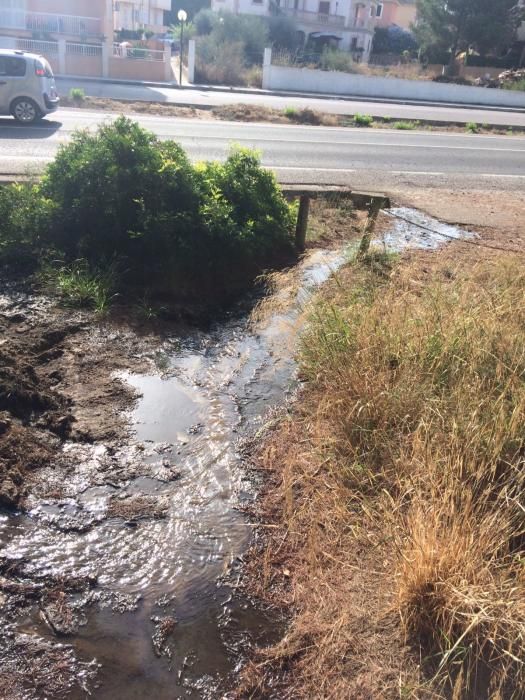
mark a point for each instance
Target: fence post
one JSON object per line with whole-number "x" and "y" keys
{"x": 191, "y": 61}
{"x": 107, "y": 51}
{"x": 167, "y": 64}
{"x": 267, "y": 67}
{"x": 302, "y": 222}
{"x": 62, "y": 69}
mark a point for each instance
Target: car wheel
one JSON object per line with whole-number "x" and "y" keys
{"x": 25, "y": 110}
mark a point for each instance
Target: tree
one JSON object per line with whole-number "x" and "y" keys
{"x": 460, "y": 25}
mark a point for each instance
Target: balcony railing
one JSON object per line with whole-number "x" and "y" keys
{"x": 314, "y": 17}
{"x": 50, "y": 23}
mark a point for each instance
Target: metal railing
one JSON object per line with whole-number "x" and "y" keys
{"x": 308, "y": 17}
{"x": 138, "y": 53}
{"x": 36, "y": 46}
{"x": 52, "y": 23}
{"x": 83, "y": 49}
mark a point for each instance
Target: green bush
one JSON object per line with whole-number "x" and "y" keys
{"x": 363, "y": 119}
{"x": 204, "y": 21}
{"x": 77, "y": 94}
{"x": 472, "y": 127}
{"x": 404, "y": 126}
{"x": 122, "y": 197}
{"x": 335, "y": 59}
{"x": 220, "y": 63}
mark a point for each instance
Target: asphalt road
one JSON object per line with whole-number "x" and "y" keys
{"x": 209, "y": 98}
{"x": 301, "y": 154}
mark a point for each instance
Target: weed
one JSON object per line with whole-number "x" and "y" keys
{"x": 472, "y": 128}
{"x": 404, "y": 125}
{"x": 77, "y": 94}
{"x": 363, "y": 119}
{"x": 80, "y": 286}
{"x": 290, "y": 112}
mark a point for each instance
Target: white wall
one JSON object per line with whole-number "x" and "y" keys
{"x": 334, "y": 83}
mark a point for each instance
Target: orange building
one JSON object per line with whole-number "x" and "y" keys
{"x": 399, "y": 12}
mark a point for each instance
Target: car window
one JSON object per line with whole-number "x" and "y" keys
{"x": 12, "y": 66}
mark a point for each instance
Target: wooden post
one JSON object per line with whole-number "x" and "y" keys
{"x": 302, "y": 222}
{"x": 376, "y": 205}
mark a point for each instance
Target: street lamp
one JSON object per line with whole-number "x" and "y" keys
{"x": 182, "y": 16}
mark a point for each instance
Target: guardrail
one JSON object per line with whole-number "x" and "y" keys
{"x": 138, "y": 53}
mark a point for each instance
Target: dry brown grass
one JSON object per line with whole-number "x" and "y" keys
{"x": 397, "y": 485}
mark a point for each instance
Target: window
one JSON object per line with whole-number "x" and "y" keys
{"x": 12, "y": 66}
{"x": 324, "y": 7}
{"x": 257, "y": 2}
{"x": 353, "y": 46}
{"x": 379, "y": 10}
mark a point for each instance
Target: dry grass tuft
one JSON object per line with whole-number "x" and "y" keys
{"x": 398, "y": 484}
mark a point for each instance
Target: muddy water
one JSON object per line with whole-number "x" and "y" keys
{"x": 209, "y": 390}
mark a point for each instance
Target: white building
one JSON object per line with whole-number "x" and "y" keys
{"x": 140, "y": 14}
{"x": 348, "y": 24}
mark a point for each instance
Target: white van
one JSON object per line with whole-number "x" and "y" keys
{"x": 27, "y": 86}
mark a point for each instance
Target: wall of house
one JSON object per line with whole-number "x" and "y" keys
{"x": 90, "y": 66}
{"x": 130, "y": 69}
{"x": 82, "y": 8}
{"x": 335, "y": 83}
{"x": 395, "y": 13}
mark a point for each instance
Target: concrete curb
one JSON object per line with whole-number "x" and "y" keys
{"x": 276, "y": 93}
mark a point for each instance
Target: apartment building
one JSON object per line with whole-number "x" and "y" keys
{"x": 140, "y": 14}
{"x": 345, "y": 23}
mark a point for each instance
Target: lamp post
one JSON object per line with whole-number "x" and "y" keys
{"x": 182, "y": 17}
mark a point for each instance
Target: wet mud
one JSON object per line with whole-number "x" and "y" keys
{"x": 124, "y": 492}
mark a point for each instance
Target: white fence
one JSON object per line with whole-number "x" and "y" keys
{"x": 137, "y": 53}
{"x": 84, "y": 49}
{"x": 36, "y": 46}
{"x": 336, "y": 83}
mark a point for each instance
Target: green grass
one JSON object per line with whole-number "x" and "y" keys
{"x": 77, "y": 94}
{"x": 405, "y": 126}
{"x": 80, "y": 286}
{"x": 472, "y": 128}
{"x": 290, "y": 112}
{"x": 363, "y": 120}
{"x": 517, "y": 85}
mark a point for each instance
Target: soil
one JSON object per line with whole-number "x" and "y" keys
{"x": 254, "y": 113}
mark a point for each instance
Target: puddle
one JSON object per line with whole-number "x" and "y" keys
{"x": 167, "y": 573}
{"x": 414, "y": 229}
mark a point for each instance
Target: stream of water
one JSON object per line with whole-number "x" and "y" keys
{"x": 212, "y": 389}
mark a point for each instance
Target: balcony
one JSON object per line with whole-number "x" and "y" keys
{"x": 50, "y": 23}
{"x": 317, "y": 18}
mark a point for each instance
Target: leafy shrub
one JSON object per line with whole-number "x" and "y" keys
{"x": 363, "y": 119}
{"x": 121, "y": 196}
{"x": 77, "y": 94}
{"x": 290, "y": 112}
{"x": 472, "y": 127}
{"x": 282, "y": 33}
{"x": 393, "y": 40}
{"x": 335, "y": 59}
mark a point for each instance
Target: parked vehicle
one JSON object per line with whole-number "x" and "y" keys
{"x": 27, "y": 86}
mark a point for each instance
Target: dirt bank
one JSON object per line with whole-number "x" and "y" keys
{"x": 334, "y": 519}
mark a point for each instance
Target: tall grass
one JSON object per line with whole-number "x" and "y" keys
{"x": 80, "y": 286}
{"x": 411, "y": 450}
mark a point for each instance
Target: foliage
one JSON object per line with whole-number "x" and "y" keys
{"x": 335, "y": 59}
{"x": 204, "y": 21}
{"x": 220, "y": 63}
{"x": 77, "y": 94}
{"x": 192, "y": 7}
{"x": 122, "y": 196}
{"x": 79, "y": 286}
{"x": 393, "y": 40}
{"x": 290, "y": 112}
{"x": 460, "y": 25}
{"x": 515, "y": 85}
{"x": 404, "y": 126}
{"x": 282, "y": 33}
{"x": 363, "y": 119}
{"x": 472, "y": 127}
